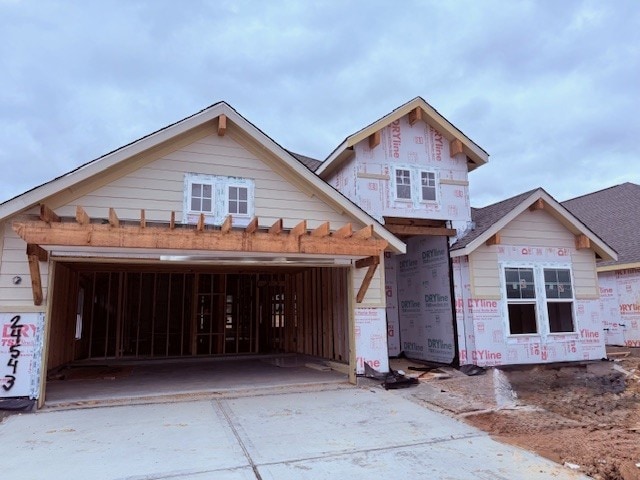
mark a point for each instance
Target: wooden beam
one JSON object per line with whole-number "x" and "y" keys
{"x": 114, "y": 221}
{"x": 321, "y": 231}
{"x": 344, "y": 232}
{"x": 163, "y": 238}
{"x": 36, "y": 281}
{"x": 493, "y": 240}
{"x": 582, "y": 242}
{"x": 227, "y": 224}
{"x": 367, "y": 262}
{"x": 200, "y": 224}
{"x": 38, "y": 251}
{"x": 412, "y": 230}
{"x": 374, "y": 139}
{"x": 537, "y": 205}
{"x": 455, "y": 147}
{"x": 362, "y": 291}
{"x": 276, "y": 228}
{"x": 415, "y": 115}
{"x": 364, "y": 233}
{"x": 172, "y": 222}
{"x": 253, "y": 225}
{"x": 81, "y": 216}
{"x": 222, "y": 125}
{"x": 48, "y": 215}
{"x": 299, "y": 230}
{"x": 143, "y": 219}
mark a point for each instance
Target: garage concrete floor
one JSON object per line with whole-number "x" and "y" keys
{"x": 354, "y": 433}
{"x": 141, "y": 382}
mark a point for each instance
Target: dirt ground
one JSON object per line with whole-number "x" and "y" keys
{"x": 586, "y": 415}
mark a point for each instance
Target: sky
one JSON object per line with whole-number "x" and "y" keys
{"x": 550, "y": 89}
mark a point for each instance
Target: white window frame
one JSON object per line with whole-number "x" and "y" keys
{"x": 249, "y": 201}
{"x": 436, "y": 182}
{"x": 396, "y": 184}
{"x": 199, "y": 179}
{"x": 541, "y": 301}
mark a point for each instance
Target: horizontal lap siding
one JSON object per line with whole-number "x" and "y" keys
{"x": 532, "y": 229}
{"x": 14, "y": 263}
{"x": 375, "y": 296}
{"x": 158, "y": 187}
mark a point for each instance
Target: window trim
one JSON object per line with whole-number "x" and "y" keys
{"x": 540, "y": 301}
{"x": 436, "y": 182}
{"x": 192, "y": 179}
{"x": 396, "y": 185}
{"x": 227, "y": 199}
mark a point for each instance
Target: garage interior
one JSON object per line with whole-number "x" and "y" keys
{"x": 155, "y": 328}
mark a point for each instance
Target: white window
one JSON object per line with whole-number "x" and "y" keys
{"x": 537, "y": 294}
{"x": 217, "y": 196}
{"x": 428, "y": 184}
{"x": 238, "y": 200}
{"x": 403, "y": 184}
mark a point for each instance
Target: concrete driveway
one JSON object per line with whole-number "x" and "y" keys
{"x": 355, "y": 433}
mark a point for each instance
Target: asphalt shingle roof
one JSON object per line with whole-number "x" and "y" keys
{"x": 487, "y": 216}
{"x": 614, "y": 215}
{"x": 311, "y": 163}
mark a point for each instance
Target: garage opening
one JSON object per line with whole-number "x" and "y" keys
{"x": 103, "y": 313}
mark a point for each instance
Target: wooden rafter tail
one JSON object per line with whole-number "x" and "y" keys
{"x": 252, "y": 226}
{"x": 143, "y": 219}
{"x": 172, "y": 220}
{"x": 200, "y": 225}
{"x": 114, "y": 221}
{"x": 299, "y": 230}
{"x": 321, "y": 231}
{"x": 582, "y": 242}
{"x": 48, "y": 215}
{"x": 364, "y": 233}
{"x": 345, "y": 231}
{"x": 222, "y": 125}
{"x": 276, "y": 228}
{"x": 81, "y": 216}
{"x": 227, "y": 224}
{"x": 362, "y": 291}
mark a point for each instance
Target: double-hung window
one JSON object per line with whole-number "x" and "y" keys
{"x": 428, "y": 184}
{"x": 216, "y": 197}
{"x": 537, "y": 294}
{"x": 403, "y": 184}
{"x": 238, "y": 198}
{"x": 201, "y": 197}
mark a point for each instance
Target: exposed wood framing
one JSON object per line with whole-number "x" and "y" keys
{"x": 35, "y": 254}
{"x": 222, "y": 125}
{"x": 143, "y": 219}
{"x": 276, "y": 228}
{"x": 455, "y": 147}
{"x": 297, "y": 240}
{"x": 81, "y": 216}
{"x": 48, "y": 215}
{"x": 321, "y": 231}
{"x": 172, "y": 222}
{"x": 252, "y": 226}
{"x": 114, "y": 221}
{"x": 415, "y": 115}
{"x": 226, "y": 225}
{"x": 374, "y": 139}
{"x": 537, "y": 205}
{"x": 493, "y": 240}
{"x": 411, "y": 230}
{"x": 371, "y": 262}
{"x": 582, "y": 242}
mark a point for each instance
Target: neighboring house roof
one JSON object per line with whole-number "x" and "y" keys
{"x": 311, "y": 163}
{"x": 33, "y": 197}
{"x": 614, "y": 215}
{"x": 491, "y": 219}
{"x": 476, "y": 156}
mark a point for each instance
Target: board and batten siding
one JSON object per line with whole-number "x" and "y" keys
{"x": 533, "y": 229}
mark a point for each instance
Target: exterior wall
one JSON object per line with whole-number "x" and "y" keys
{"x": 391, "y": 293}
{"x": 620, "y": 306}
{"x": 535, "y": 239}
{"x": 369, "y": 180}
{"x": 424, "y": 300}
